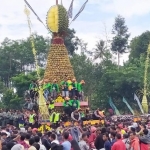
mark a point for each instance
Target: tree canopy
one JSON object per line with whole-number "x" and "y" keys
{"x": 139, "y": 45}
{"x": 119, "y": 43}
{"x": 102, "y": 78}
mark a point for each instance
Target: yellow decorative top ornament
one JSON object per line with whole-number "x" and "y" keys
{"x": 57, "y": 19}
{"x": 59, "y": 100}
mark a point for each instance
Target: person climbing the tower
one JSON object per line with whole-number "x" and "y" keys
{"x": 33, "y": 88}
{"x": 65, "y": 90}
{"x": 46, "y": 88}
{"x": 75, "y": 104}
{"x": 80, "y": 90}
{"x": 74, "y": 89}
{"x": 54, "y": 89}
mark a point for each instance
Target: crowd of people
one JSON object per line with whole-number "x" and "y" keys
{"x": 109, "y": 136}
{"x": 70, "y": 91}
{"x": 66, "y": 88}
{"x": 72, "y": 94}
{"x": 19, "y": 129}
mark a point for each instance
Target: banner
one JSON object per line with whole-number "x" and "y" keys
{"x": 112, "y": 105}
{"x": 138, "y": 101}
{"x": 81, "y": 9}
{"x": 70, "y": 11}
{"x": 124, "y": 100}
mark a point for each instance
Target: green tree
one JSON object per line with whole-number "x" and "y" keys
{"x": 119, "y": 43}
{"x": 22, "y": 81}
{"x": 85, "y": 70}
{"x": 17, "y": 57}
{"x": 71, "y": 41}
{"x": 139, "y": 45}
{"x": 11, "y": 100}
{"x": 2, "y": 87}
{"x": 100, "y": 50}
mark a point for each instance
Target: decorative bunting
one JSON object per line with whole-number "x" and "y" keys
{"x": 70, "y": 11}
{"x": 113, "y": 106}
{"x": 124, "y": 100}
{"x": 81, "y": 9}
{"x": 138, "y": 101}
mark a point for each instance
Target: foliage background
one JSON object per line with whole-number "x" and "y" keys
{"x": 104, "y": 78}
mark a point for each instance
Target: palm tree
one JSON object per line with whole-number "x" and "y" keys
{"x": 100, "y": 50}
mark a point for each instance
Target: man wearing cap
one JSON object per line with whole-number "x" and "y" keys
{"x": 34, "y": 131}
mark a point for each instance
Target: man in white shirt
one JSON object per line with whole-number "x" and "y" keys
{"x": 53, "y": 139}
{"x": 54, "y": 142}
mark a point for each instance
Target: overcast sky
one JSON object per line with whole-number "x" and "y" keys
{"x": 90, "y": 25}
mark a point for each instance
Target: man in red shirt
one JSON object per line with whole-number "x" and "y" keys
{"x": 119, "y": 144}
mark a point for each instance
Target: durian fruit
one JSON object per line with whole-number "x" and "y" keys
{"x": 57, "y": 19}
{"x": 58, "y": 64}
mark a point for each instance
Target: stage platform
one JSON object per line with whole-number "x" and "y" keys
{"x": 82, "y": 104}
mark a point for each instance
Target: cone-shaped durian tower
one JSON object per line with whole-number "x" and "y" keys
{"x": 58, "y": 63}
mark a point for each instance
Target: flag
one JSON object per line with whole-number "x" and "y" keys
{"x": 138, "y": 101}
{"x": 81, "y": 9}
{"x": 70, "y": 10}
{"x": 112, "y": 105}
{"x": 124, "y": 100}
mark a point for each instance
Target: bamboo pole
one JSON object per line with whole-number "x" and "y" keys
{"x": 145, "y": 91}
